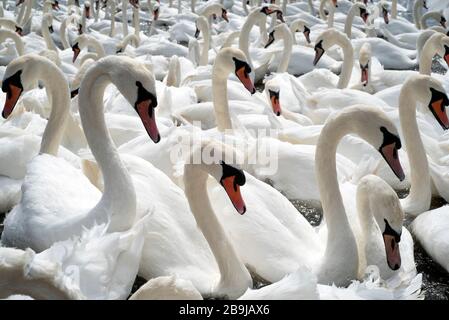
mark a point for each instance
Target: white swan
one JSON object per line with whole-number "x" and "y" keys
{"x": 118, "y": 202}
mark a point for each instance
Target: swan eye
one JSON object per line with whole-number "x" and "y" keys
{"x": 144, "y": 95}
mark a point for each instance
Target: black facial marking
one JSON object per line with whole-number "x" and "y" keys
{"x": 390, "y": 138}
{"x": 306, "y": 29}
{"x": 12, "y": 80}
{"x": 50, "y": 28}
{"x": 74, "y": 93}
{"x": 389, "y": 231}
{"x": 143, "y": 95}
{"x": 19, "y": 30}
{"x": 75, "y": 46}
{"x": 446, "y": 49}
{"x": 273, "y": 93}
{"x": 270, "y": 39}
{"x": 119, "y": 50}
{"x": 229, "y": 171}
{"x": 239, "y": 64}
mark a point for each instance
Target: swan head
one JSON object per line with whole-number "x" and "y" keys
{"x": 301, "y": 26}
{"x": 363, "y": 12}
{"x": 325, "y": 41}
{"x": 384, "y": 8}
{"x": 80, "y": 42}
{"x": 439, "y": 43}
{"x": 21, "y": 75}
{"x": 136, "y": 83}
{"x": 279, "y": 32}
{"x": 365, "y": 62}
{"x": 429, "y": 92}
{"x": 230, "y": 60}
{"x": 270, "y": 9}
{"x": 156, "y": 11}
{"x": 385, "y": 207}
{"x": 222, "y": 163}
{"x": 373, "y": 125}
{"x": 273, "y": 91}
{"x": 55, "y": 5}
{"x": 87, "y": 9}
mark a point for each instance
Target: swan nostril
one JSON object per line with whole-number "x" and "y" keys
{"x": 396, "y": 267}
{"x": 278, "y": 113}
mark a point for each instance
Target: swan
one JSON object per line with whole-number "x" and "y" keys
{"x": 291, "y": 54}
{"x": 11, "y": 25}
{"x": 21, "y": 75}
{"x": 84, "y": 41}
{"x": 357, "y": 9}
{"x": 333, "y": 4}
{"x": 24, "y": 224}
{"x": 433, "y": 15}
{"x": 417, "y": 12}
{"x": 202, "y": 26}
{"x": 257, "y": 15}
{"x": 300, "y": 25}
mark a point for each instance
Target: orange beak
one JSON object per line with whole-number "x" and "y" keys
{"x": 12, "y": 96}
{"x": 245, "y": 80}
{"x": 233, "y": 191}
{"x": 439, "y": 111}
{"x": 145, "y": 109}
{"x": 390, "y": 154}
{"x": 392, "y": 252}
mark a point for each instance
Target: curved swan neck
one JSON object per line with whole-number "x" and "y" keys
{"x": 125, "y": 17}
{"x": 233, "y": 273}
{"x": 332, "y": 203}
{"x": 47, "y": 36}
{"x": 21, "y": 12}
{"x": 220, "y": 98}
{"x": 136, "y": 21}
{"x": 420, "y": 190}
{"x": 252, "y": 19}
{"x": 58, "y": 93}
{"x": 427, "y": 54}
{"x": 287, "y": 52}
{"x": 348, "y": 60}
{"x": 119, "y": 197}
{"x": 417, "y": 13}
{"x": 311, "y": 7}
{"x": 394, "y": 9}
{"x": 330, "y": 17}
{"x": 350, "y": 20}
{"x": 205, "y": 30}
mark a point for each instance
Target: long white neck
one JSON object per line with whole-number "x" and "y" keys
{"x": 244, "y": 34}
{"x": 233, "y": 273}
{"x": 341, "y": 255}
{"x": 47, "y": 36}
{"x": 113, "y": 11}
{"x": 220, "y": 98}
{"x": 287, "y": 52}
{"x": 204, "y": 57}
{"x": 136, "y": 21}
{"x": 63, "y": 31}
{"x": 119, "y": 197}
{"x": 427, "y": 16}
{"x": 417, "y": 12}
{"x": 348, "y": 61}
{"x": 96, "y": 7}
{"x": 426, "y": 57}
{"x": 58, "y": 94}
{"x": 192, "y": 6}
{"x": 420, "y": 191}
{"x": 28, "y": 11}
{"x": 350, "y": 20}
{"x": 394, "y": 9}
{"x": 245, "y": 7}
{"x": 125, "y": 17}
